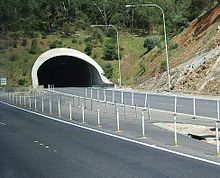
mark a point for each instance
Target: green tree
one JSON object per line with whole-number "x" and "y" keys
{"x": 151, "y": 42}
{"x": 108, "y": 69}
{"x": 88, "y": 49}
{"x": 109, "y": 50}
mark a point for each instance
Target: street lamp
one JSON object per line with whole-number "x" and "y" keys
{"x": 119, "y": 60}
{"x": 165, "y": 35}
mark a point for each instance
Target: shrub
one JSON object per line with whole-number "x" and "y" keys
{"x": 163, "y": 66}
{"x": 33, "y": 47}
{"x": 109, "y": 51}
{"x": 151, "y": 42}
{"x": 108, "y": 68}
{"x": 97, "y": 35}
{"x": 74, "y": 40}
{"x": 24, "y": 42}
{"x": 21, "y": 81}
{"x": 88, "y": 49}
{"x": 55, "y": 44}
{"x": 13, "y": 58}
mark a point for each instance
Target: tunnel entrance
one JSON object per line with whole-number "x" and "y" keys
{"x": 65, "y": 67}
{"x": 66, "y": 71}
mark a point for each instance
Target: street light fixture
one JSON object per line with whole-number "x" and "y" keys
{"x": 119, "y": 60}
{"x": 165, "y": 35}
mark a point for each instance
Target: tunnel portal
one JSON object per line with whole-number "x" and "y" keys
{"x": 66, "y": 71}
{"x": 64, "y": 67}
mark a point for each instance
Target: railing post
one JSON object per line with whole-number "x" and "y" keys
{"x": 86, "y": 91}
{"x": 83, "y": 114}
{"x": 98, "y": 116}
{"x": 29, "y": 98}
{"x": 194, "y": 108}
{"x": 135, "y": 107}
{"x": 59, "y": 108}
{"x": 105, "y": 95}
{"x": 42, "y": 104}
{"x": 117, "y": 120}
{"x": 143, "y": 124}
{"x": 174, "y": 121}
{"x": 122, "y": 97}
{"x": 20, "y": 99}
{"x": 217, "y": 130}
{"x": 97, "y": 94}
{"x": 50, "y": 106}
{"x": 70, "y": 109}
{"x": 145, "y": 101}
{"x": 91, "y": 93}
{"x": 113, "y": 95}
{"x": 149, "y": 113}
{"x": 35, "y": 103}
{"x": 132, "y": 98}
{"x": 217, "y": 138}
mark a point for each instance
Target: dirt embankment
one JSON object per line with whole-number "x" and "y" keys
{"x": 195, "y": 68}
{"x": 199, "y": 25}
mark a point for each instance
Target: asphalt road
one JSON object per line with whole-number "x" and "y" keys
{"x": 34, "y": 146}
{"x": 204, "y": 107}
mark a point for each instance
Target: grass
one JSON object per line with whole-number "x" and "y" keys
{"x": 19, "y": 67}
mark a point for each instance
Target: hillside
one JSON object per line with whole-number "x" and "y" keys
{"x": 193, "y": 53}
{"x": 195, "y": 64}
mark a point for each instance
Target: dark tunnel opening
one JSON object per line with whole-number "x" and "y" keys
{"x": 67, "y": 71}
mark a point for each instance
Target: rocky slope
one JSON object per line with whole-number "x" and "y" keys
{"x": 195, "y": 68}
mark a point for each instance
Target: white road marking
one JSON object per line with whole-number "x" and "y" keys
{"x": 118, "y": 137}
{"x": 1, "y": 123}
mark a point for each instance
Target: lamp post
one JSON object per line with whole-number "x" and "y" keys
{"x": 165, "y": 35}
{"x": 119, "y": 60}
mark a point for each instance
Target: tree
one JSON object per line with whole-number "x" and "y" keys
{"x": 108, "y": 68}
{"x": 151, "y": 42}
{"x": 88, "y": 49}
{"x": 109, "y": 50}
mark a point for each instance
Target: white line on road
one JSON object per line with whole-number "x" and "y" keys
{"x": 1, "y": 123}
{"x": 118, "y": 137}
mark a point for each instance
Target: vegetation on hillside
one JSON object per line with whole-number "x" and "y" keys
{"x": 30, "y": 27}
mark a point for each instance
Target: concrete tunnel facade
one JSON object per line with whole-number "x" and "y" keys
{"x": 64, "y": 67}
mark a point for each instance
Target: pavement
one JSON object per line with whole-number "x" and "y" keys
{"x": 36, "y": 146}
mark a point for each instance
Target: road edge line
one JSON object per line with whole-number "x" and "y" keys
{"x": 116, "y": 136}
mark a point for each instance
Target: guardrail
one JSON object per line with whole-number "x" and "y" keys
{"x": 73, "y": 106}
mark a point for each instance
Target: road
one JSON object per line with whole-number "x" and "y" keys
{"x": 34, "y": 146}
{"x": 204, "y": 107}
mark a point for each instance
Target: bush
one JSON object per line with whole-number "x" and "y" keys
{"x": 97, "y": 35}
{"x": 74, "y": 40}
{"x": 68, "y": 29}
{"x": 109, "y": 51}
{"x": 13, "y": 58}
{"x": 151, "y": 42}
{"x": 33, "y": 47}
{"x": 163, "y": 66}
{"x": 21, "y": 81}
{"x": 88, "y": 39}
{"x": 24, "y": 42}
{"x": 55, "y": 44}
{"x": 174, "y": 46}
{"x": 88, "y": 49}
{"x": 108, "y": 69}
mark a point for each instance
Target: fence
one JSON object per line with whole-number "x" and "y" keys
{"x": 108, "y": 107}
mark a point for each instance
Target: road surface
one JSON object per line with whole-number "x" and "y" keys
{"x": 34, "y": 146}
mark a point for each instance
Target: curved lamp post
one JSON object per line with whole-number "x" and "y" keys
{"x": 119, "y": 60}
{"x": 165, "y": 35}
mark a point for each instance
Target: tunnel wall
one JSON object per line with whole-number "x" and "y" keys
{"x": 97, "y": 72}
